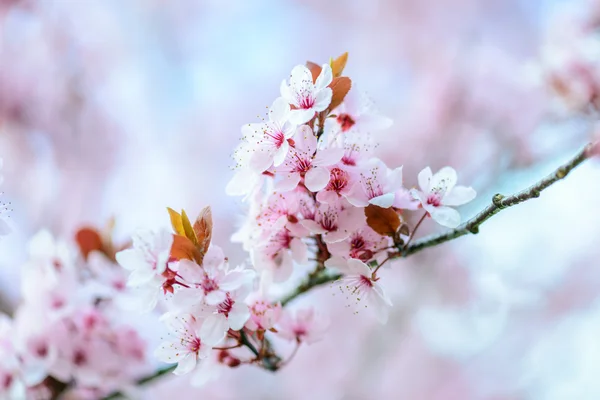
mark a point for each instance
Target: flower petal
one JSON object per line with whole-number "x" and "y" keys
{"x": 425, "y": 179}
{"x": 325, "y": 77}
{"x": 316, "y": 179}
{"x": 445, "y": 216}
{"x": 459, "y": 195}
{"x": 445, "y": 178}
{"x": 383, "y": 201}
{"x": 213, "y": 329}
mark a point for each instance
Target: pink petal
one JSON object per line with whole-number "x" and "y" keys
{"x": 316, "y": 179}
{"x": 328, "y": 157}
{"x": 425, "y": 179}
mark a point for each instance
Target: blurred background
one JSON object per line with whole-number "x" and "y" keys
{"x": 120, "y": 109}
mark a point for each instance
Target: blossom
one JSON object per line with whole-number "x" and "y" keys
{"x": 213, "y": 280}
{"x": 381, "y": 186}
{"x": 278, "y": 253}
{"x": 264, "y": 313}
{"x": 270, "y": 139}
{"x": 357, "y": 113}
{"x": 303, "y": 326}
{"x": 334, "y": 223}
{"x": 363, "y": 244}
{"x": 340, "y": 185}
{"x": 358, "y": 280}
{"x": 148, "y": 257}
{"x": 185, "y": 347}
{"x": 307, "y": 97}
{"x": 305, "y": 161}
{"x": 439, "y": 192}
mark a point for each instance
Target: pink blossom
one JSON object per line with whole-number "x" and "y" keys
{"x": 269, "y": 140}
{"x": 334, "y": 223}
{"x": 340, "y": 185}
{"x": 184, "y": 346}
{"x": 357, "y": 113}
{"x": 439, "y": 192}
{"x": 380, "y": 186}
{"x": 213, "y": 280}
{"x": 307, "y": 97}
{"x": 148, "y": 257}
{"x": 278, "y": 253}
{"x": 304, "y": 161}
{"x": 362, "y": 244}
{"x": 302, "y": 326}
{"x": 358, "y": 281}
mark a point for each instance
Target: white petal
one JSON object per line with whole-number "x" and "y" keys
{"x": 459, "y": 195}
{"x": 383, "y": 201}
{"x": 325, "y": 77}
{"x": 279, "y": 111}
{"x": 445, "y": 178}
{"x": 238, "y": 316}
{"x": 445, "y": 216}
{"x": 316, "y": 179}
{"x": 260, "y": 160}
{"x": 322, "y": 100}
{"x": 425, "y": 179}
{"x": 305, "y": 139}
{"x": 243, "y": 181}
{"x": 339, "y": 263}
{"x": 288, "y": 182}
{"x": 215, "y": 297}
{"x": 299, "y": 251}
{"x": 358, "y": 267}
{"x": 131, "y": 260}
{"x": 279, "y": 156}
{"x": 301, "y": 116}
{"x": 313, "y": 226}
{"x": 329, "y": 156}
{"x": 186, "y": 364}
{"x": 213, "y": 329}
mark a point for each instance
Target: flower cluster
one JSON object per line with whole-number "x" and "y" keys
{"x": 69, "y": 332}
{"x": 309, "y": 174}
{"x": 211, "y": 307}
{"x": 315, "y": 193}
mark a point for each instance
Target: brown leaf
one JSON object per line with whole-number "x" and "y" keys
{"x": 188, "y": 229}
{"x": 203, "y": 228}
{"x": 89, "y": 240}
{"x": 384, "y": 221}
{"x": 338, "y": 65}
{"x": 315, "y": 70}
{"x": 183, "y": 249}
{"x": 340, "y": 87}
{"x": 176, "y": 222}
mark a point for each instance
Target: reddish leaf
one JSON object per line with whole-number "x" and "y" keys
{"x": 340, "y": 87}
{"x": 183, "y": 249}
{"x": 384, "y": 221}
{"x": 203, "y": 229}
{"x": 315, "y": 70}
{"x": 89, "y": 240}
{"x": 338, "y": 65}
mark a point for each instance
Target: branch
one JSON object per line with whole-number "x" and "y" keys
{"x": 499, "y": 202}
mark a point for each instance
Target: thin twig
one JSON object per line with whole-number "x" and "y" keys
{"x": 499, "y": 202}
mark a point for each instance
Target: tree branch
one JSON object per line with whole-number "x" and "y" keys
{"x": 499, "y": 202}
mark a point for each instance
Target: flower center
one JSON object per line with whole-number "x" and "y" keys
{"x": 338, "y": 180}
{"x": 329, "y": 221}
{"x": 346, "y": 122}
{"x": 208, "y": 285}
{"x": 226, "y": 306}
{"x": 194, "y": 345}
{"x": 434, "y": 199}
{"x": 275, "y": 136}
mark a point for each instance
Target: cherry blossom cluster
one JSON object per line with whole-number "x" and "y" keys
{"x": 69, "y": 332}
{"x": 211, "y": 309}
{"x": 309, "y": 175}
{"x": 316, "y": 195}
